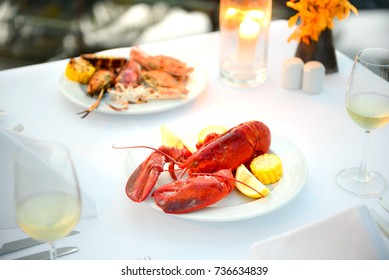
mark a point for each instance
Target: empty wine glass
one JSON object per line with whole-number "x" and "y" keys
{"x": 367, "y": 103}
{"x": 46, "y": 192}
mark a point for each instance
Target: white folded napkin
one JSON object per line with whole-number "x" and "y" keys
{"x": 349, "y": 235}
{"x": 10, "y": 142}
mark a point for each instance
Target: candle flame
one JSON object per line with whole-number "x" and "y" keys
{"x": 249, "y": 28}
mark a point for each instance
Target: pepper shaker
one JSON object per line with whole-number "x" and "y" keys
{"x": 313, "y": 77}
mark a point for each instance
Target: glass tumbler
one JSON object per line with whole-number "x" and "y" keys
{"x": 244, "y": 28}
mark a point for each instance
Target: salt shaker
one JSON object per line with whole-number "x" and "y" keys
{"x": 292, "y": 72}
{"x": 313, "y": 77}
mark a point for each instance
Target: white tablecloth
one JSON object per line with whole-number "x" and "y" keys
{"x": 317, "y": 124}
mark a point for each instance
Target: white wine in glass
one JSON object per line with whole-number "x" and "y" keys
{"x": 367, "y": 103}
{"x": 46, "y": 191}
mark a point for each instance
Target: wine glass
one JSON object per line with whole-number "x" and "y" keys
{"x": 46, "y": 192}
{"x": 367, "y": 103}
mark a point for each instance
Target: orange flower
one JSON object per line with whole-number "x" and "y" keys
{"x": 315, "y": 16}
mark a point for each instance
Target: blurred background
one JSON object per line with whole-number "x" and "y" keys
{"x": 36, "y": 31}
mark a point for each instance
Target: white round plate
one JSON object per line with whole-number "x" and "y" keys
{"x": 76, "y": 92}
{"x": 236, "y": 206}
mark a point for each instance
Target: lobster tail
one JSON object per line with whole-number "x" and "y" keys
{"x": 260, "y": 137}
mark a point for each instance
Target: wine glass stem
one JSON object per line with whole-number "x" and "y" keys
{"x": 53, "y": 251}
{"x": 363, "y": 166}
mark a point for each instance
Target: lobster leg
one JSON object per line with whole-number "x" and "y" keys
{"x": 183, "y": 196}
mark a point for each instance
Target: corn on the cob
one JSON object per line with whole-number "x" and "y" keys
{"x": 79, "y": 70}
{"x": 267, "y": 168}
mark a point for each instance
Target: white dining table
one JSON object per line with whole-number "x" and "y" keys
{"x": 317, "y": 124}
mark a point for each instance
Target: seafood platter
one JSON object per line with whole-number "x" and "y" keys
{"x": 239, "y": 173}
{"x": 130, "y": 81}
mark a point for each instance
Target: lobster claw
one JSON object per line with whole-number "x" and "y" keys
{"x": 183, "y": 196}
{"x": 145, "y": 176}
{"x": 143, "y": 179}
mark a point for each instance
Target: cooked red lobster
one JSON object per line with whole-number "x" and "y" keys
{"x": 209, "y": 169}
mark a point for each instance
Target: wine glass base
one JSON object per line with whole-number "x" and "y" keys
{"x": 371, "y": 185}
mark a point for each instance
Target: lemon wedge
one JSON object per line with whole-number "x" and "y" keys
{"x": 208, "y": 130}
{"x": 257, "y": 189}
{"x": 170, "y": 139}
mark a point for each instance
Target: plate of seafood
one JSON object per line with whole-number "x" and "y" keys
{"x": 209, "y": 192}
{"x": 130, "y": 81}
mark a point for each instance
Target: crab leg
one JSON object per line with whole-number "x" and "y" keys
{"x": 93, "y": 106}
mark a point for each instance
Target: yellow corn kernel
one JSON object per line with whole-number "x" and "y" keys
{"x": 79, "y": 70}
{"x": 267, "y": 168}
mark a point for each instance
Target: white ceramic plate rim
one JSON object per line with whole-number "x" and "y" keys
{"x": 75, "y": 92}
{"x": 237, "y": 206}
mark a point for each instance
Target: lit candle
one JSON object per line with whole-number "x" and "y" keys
{"x": 248, "y": 34}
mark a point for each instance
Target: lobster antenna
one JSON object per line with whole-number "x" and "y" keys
{"x": 146, "y": 147}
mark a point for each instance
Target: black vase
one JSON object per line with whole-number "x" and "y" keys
{"x": 322, "y": 50}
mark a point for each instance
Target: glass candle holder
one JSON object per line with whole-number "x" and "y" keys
{"x": 244, "y": 28}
